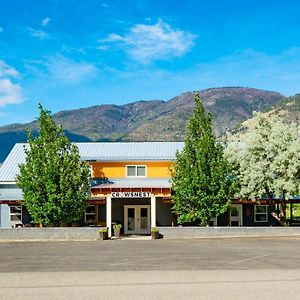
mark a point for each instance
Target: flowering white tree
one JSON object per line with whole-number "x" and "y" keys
{"x": 267, "y": 162}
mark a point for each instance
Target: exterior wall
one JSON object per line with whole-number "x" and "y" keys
{"x": 92, "y": 233}
{"x": 217, "y": 232}
{"x": 163, "y": 213}
{"x": 50, "y": 233}
{"x": 248, "y": 217}
{"x": 118, "y": 169}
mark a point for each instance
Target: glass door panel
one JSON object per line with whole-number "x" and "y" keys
{"x": 144, "y": 218}
{"x": 131, "y": 219}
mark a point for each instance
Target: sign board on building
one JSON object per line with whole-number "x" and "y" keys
{"x": 130, "y": 195}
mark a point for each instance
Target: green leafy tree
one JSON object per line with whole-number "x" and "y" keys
{"x": 267, "y": 163}
{"x": 54, "y": 180}
{"x": 202, "y": 181}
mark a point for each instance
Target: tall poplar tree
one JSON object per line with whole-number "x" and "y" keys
{"x": 202, "y": 181}
{"x": 54, "y": 181}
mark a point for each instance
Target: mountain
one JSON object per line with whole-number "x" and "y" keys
{"x": 150, "y": 120}
{"x": 288, "y": 109}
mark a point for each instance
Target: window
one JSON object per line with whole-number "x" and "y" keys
{"x": 136, "y": 171}
{"x": 213, "y": 222}
{"x": 15, "y": 215}
{"x": 90, "y": 214}
{"x": 261, "y": 213}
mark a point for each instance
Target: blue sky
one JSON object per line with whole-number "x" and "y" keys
{"x": 69, "y": 54}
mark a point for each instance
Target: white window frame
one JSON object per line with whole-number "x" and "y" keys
{"x": 136, "y": 166}
{"x": 255, "y": 214}
{"x": 90, "y": 214}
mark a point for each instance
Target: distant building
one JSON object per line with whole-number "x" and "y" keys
{"x": 130, "y": 186}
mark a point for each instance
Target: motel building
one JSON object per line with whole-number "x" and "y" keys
{"x": 130, "y": 186}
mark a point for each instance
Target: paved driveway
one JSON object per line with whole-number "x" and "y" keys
{"x": 266, "y": 268}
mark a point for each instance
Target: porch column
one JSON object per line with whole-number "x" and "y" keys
{"x": 291, "y": 214}
{"x": 153, "y": 211}
{"x": 4, "y": 216}
{"x": 108, "y": 215}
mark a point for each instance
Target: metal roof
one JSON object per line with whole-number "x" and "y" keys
{"x": 135, "y": 183}
{"x": 136, "y": 151}
{"x": 9, "y": 168}
{"x": 131, "y": 151}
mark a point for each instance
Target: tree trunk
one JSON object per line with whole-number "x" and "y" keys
{"x": 281, "y": 216}
{"x": 282, "y": 213}
{"x": 204, "y": 223}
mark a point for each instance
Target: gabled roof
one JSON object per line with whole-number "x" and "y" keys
{"x": 135, "y": 151}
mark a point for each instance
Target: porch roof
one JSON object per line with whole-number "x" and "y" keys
{"x": 135, "y": 183}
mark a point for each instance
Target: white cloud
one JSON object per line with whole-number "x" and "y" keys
{"x": 45, "y": 21}
{"x": 70, "y": 71}
{"x": 40, "y": 34}
{"x": 146, "y": 43}
{"x": 7, "y": 71}
{"x": 10, "y": 92}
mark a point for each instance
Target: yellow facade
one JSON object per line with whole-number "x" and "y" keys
{"x": 118, "y": 169}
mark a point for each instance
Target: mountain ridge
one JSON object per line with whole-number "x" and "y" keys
{"x": 150, "y": 120}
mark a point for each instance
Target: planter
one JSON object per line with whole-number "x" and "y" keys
{"x": 117, "y": 231}
{"x": 103, "y": 235}
{"x": 155, "y": 235}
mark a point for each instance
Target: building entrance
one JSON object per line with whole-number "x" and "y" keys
{"x": 137, "y": 219}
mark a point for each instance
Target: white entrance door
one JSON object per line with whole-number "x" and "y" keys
{"x": 136, "y": 219}
{"x": 236, "y": 215}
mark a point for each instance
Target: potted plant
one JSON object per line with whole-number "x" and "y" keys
{"x": 117, "y": 230}
{"x": 154, "y": 233}
{"x": 103, "y": 234}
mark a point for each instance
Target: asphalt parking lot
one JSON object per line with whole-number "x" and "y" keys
{"x": 144, "y": 255}
{"x": 231, "y": 268}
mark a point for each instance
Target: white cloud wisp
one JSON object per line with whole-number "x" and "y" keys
{"x": 70, "y": 71}
{"x": 10, "y": 92}
{"x": 146, "y": 43}
{"x": 45, "y": 21}
{"x": 37, "y": 33}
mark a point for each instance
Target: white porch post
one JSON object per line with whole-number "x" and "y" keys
{"x": 153, "y": 211}
{"x": 108, "y": 215}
